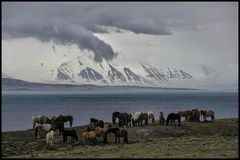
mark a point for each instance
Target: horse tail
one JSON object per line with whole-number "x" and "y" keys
{"x": 213, "y": 114}
{"x": 33, "y": 121}
{"x": 71, "y": 121}
{"x": 113, "y": 119}
{"x": 36, "y": 130}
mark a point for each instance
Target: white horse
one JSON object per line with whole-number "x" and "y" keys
{"x": 151, "y": 117}
{"x": 40, "y": 120}
{"x": 50, "y": 138}
{"x": 135, "y": 118}
{"x": 42, "y": 128}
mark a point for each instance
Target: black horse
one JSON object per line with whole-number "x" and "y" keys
{"x": 114, "y": 116}
{"x": 119, "y": 133}
{"x": 96, "y": 122}
{"x": 172, "y": 117}
{"x": 129, "y": 119}
{"x": 161, "y": 118}
{"x": 143, "y": 117}
{"x": 123, "y": 118}
{"x": 58, "y": 126}
{"x": 70, "y": 133}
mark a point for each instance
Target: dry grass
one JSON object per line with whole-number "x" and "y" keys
{"x": 190, "y": 140}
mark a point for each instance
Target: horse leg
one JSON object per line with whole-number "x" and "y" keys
{"x": 115, "y": 139}
{"x": 34, "y": 125}
{"x": 118, "y": 139}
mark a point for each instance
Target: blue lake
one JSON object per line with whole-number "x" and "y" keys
{"x": 18, "y": 107}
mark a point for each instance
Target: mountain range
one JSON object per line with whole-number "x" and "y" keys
{"x": 86, "y": 71}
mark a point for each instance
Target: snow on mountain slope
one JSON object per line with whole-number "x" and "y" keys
{"x": 83, "y": 70}
{"x": 57, "y": 64}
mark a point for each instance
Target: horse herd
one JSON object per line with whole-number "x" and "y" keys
{"x": 42, "y": 125}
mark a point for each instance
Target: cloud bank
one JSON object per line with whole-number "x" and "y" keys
{"x": 74, "y": 23}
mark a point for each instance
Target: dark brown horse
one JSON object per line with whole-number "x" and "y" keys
{"x": 195, "y": 115}
{"x": 119, "y": 133}
{"x": 143, "y": 117}
{"x": 70, "y": 133}
{"x": 172, "y": 117}
{"x": 96, "y": 122}
{"x": 61, "y": 119}
{"x": 161, "y": 118}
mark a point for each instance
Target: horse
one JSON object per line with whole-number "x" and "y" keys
{"x": 172, "y": 117}
{"x": 129, "y": 120}
{"x": 151, "y": 117}
{"x": 119, "y": 133}
{"x": 102, "y": 132}
{"x": 185, "y": 113}
{"x": 50, "y": 138}
{"x": 40, "y": 120}
{"x": 195, "y": 115}
{"x": 96, "y": 122}
{"x": 89, "y": 136}
{"x": 42, "y": 128}
{"x": 135, "y": 118}
{"x": 47, "y": 128}
{"x": 70, "y": 133}
{"x": 114, "y": 116}
{"x": 161, "y": 118}
{"x": 61, "y": 119}
{"x": 208, "y": 113}
{"x": 123, "y": 119}
{"x": 143, "y": 117}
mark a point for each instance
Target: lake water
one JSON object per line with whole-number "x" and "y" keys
{"x": 18, "y": 107}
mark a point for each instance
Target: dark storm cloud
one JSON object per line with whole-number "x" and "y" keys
{"x": 74, "y": 23}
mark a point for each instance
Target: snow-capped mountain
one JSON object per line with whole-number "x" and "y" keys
{"x": 83, "y": 70}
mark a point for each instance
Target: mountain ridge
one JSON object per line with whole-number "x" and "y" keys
{"x": 17, "y": 84}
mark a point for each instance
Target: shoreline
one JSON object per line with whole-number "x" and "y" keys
{"x": 105, "y": 122}
{"x": 190, "y": 140}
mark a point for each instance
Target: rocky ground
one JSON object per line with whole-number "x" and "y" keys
{"x": 190, "y": 140}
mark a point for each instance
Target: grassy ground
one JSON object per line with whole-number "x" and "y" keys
{"x": 190, "y": 140}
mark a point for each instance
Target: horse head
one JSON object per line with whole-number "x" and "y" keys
{"x": 202, "y": 112}
{"x": 114, "y": 116}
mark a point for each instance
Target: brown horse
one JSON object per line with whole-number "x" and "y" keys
{"x": 61, "y": 119}
{"x": 195, "y": 115}
{"x": 89, "y": 137}
{"x": 119, "y": 133}
{"x": 102, "y": 132}
{"x": 185, "y": 113}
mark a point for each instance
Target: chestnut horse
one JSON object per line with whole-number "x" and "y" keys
{"x": 194, "y": 114}
{"x": 185, "y": 113}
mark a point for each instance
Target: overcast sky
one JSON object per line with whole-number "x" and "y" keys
{"x": 200, "y": 37}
